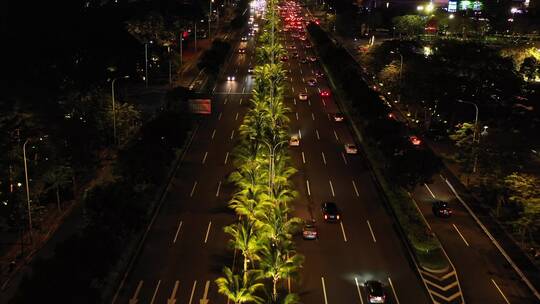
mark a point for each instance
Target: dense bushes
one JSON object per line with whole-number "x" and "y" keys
{"x": 114, "y": 213}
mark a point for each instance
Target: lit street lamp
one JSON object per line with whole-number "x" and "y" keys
{"x": 114, "y": 106}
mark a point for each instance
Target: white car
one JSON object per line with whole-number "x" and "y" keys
{"x": 351, "y": 149}
{"x": 303, "y": 96}
{"x": 294, "y": 141}
{"x": 230, "y": 78}
{"x": 338, "y": 117}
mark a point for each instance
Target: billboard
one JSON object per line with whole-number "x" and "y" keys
{"x": 200, "y": 106}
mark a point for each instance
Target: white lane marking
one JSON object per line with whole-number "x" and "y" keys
{"x": 355, "y": 189}
{"x": 305, "y": 89}
{"x": 393, "y": 290}
{"x": 294, "y": 100}
{"x": 218, "y": 187}
{"x": 236, "y": 117}
{"x": 308, "y": 190}
{"x": 155, "y": 292}
{"x": 226, "y": 100}
{"x": 358, "y": 289}
{"x": 332, "y": 188}
{"x": 243, "y": 89}
{"x": 303, "y": 158}
{"x": 192, "y": 291}
{"x": 335, "y": 134}
{"x": 204, "y": 158}
{"x": 207, "y": 232}
{"x": 213, "y": 133}
{"x": 343, "y": 231}
{"x": 226, "y": 158}
{"x": 303, "y": 79}
{"x": 205, "y": 294}
{"x": 193, "y": 189}
{"x": 214, "y": 88}
{"x": 461, "y": 235}
{"x": 500, "y": 291}
{"x": 299, "y": 134}
{"x": 324, "y": 291}
{"x": 328, "y": 115}
{"x": 229, "y": 90}
{"x": 136, "y": 294}
{"x": 323, "y": 158}
{"x": 429, "y": 190}
{"x": 232, "y": 134}
{"x": 312, "y": 116}
{"x": 219, "y": 117}
{"x": 344, "y": 158}
{"x": 241, "y": 98}
{"x": 309, "y": 102}
{"x": 172, "y": 298}
{"x": 318, "y": 136}
{"x": 420, "y": 211}
{"x": 324, "y": 103}
{"x": 177, "y": 232}
{"x": 319, "y": 89}
{"x": 296, "y": 115}
{"x": 371, "y": 230}
{"x": 293, "y": 91}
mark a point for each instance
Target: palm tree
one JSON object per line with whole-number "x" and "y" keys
{"x": 276, "y": 225}
{"x": 240, "y": 289}
{"x": 57, "y": 178}
{"x": 245, "y": 239}
{"x": 277, "y": 264}
{"x": 250, "y": 201}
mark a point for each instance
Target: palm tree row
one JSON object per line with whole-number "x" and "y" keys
{"x": 264, "y": 231}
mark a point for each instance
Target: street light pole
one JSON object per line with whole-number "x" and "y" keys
{"x": 114, "y": 106}
{"x": 474, "y": 131}
{"x": 27, "y": 191}
{"x": 146, "y": 64}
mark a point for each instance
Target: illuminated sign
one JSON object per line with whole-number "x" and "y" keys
{"x": 200, "y": 106}
{"x": 452, "y": 6}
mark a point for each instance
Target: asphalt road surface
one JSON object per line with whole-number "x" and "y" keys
{"x": 186, "y": 247}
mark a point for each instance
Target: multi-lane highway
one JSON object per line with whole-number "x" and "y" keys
{"x": 186, "y": 247}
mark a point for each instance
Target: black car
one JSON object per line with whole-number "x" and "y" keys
{"x": 441, "y": 209}
{"x": 375, "y": 292}
{"x": 330, "y": 212}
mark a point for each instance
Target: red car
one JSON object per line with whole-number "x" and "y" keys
{"x": 325, "y": 93}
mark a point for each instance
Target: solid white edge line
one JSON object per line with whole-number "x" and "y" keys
{"x": 500, "y": 291}
{"x": 343, "y": 231}
{"x": 324, "y": 291}
{"x": 355, "y": 189}
{"x": 204, "y": 158}
{"x": 192, "y": 291}
{"x": 226, "y": 158}
{"x": 358, "y": 289}
{"x": 207, "y": 232}
{"x": 303, "y": 158}
{"x": 371, "y": 230}
{"x": 461, "y": 235}
{"x": 332, "y": 188}
{"x": 308, "y": 190}
{"x": 420, "y": 211}
{"x": 429, "y": 190}
{"x": 323, "y": 158}
{"x": 486, "y": 231}
{"x": 193, "y": 189}
{"x": 393, "y": 290}
{"x": 218, "y": 187}
{"x": 177, "y": 232}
